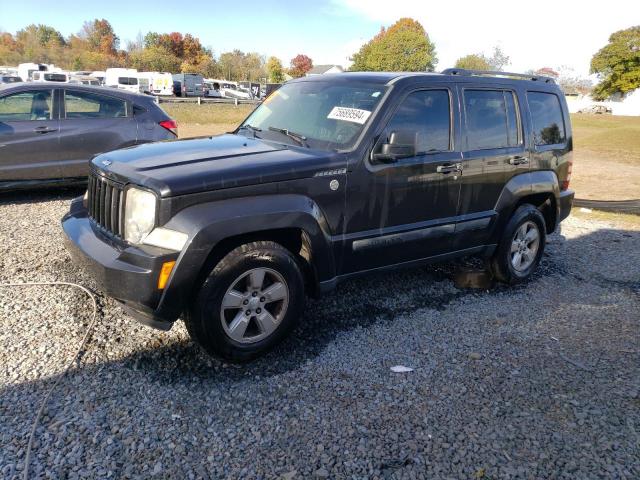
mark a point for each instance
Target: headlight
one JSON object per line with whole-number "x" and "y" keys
{"x": 139, "y": 214}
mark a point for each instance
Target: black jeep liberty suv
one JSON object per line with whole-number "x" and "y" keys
{"x": 332, "y": 176}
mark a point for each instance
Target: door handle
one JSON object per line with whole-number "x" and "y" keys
{"x": 44, "y": 130}
{"x": 456, "y": 167}
{"x": 518, "y": 160}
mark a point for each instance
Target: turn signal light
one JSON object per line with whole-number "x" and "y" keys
{"x": 165, "y": 273}
{"x": 170, "y": 125}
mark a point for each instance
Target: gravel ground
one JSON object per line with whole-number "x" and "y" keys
{"x": 538, "y": 381}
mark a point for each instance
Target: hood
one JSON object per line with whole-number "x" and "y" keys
{"x": 180, "y": 167}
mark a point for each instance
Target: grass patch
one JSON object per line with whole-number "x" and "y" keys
{"x": 625, "y": 219}
{"x": 614, "y": 137}
{"x": 207, "y": 114}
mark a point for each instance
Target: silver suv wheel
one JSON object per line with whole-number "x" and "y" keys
{"x": 524, "y": 246}
{"x": 254, "y": 305}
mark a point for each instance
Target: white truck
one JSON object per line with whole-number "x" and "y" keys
{"x": 122, "y": 79}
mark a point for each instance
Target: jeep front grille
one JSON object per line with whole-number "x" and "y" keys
{"x": 105, "y": 201}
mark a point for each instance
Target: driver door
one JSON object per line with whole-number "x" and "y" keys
{"x": 404, "y": 209}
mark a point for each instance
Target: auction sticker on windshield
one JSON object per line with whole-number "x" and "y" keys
{"x": 354, "y": 115}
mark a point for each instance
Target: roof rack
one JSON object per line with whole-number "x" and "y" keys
{"x": 495, "y": 73}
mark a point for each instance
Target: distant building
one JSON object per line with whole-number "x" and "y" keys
{"x": 324, "y": 69}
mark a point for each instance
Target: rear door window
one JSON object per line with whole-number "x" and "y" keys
{"x": 93, "y": 105}
{"x": 492, "y": 119}
{"x": 31, "y": 106}
{"x": 546, "y": 113}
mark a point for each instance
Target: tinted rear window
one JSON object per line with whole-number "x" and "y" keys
{"x": 546, "y": 113}
{"x": 55, "y": 77}
{"x": 127, "y": 81}
{"x": 491, "y": 119}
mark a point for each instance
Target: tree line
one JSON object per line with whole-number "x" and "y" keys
{"x": 404, "y": 46}
{"x": 97, "y": 47}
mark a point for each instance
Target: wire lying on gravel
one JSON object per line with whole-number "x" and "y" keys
{"x": 87, "y": 334}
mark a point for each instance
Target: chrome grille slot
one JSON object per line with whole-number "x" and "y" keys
{"x": 104, "y": 203}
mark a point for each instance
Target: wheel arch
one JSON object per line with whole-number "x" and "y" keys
{"x": 216, "y": 228}
{"x": 538, "y": 188}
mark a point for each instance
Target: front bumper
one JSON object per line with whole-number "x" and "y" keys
{"x": 565, "y": 204}
{"x": 127, "y": 273}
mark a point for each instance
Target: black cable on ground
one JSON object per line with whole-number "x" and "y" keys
{"x": 87, "y": 334}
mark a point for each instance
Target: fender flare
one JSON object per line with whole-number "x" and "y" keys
{"x": 210, "y": 223}
{"x": 519, "y": 187}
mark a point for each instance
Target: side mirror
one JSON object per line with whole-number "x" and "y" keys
{"x": 401, "y": 144}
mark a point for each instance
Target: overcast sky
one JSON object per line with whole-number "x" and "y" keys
{"x": 536, "y": 34}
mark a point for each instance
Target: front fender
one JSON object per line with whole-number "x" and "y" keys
{"x": 210, "y": 223}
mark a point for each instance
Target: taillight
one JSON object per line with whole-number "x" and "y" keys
{"x": 170, "y": 125}
{"x": 564, "y": 185}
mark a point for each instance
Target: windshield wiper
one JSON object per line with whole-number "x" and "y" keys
{"x": 297, "y": 137}
{"x": 250, "y": 127}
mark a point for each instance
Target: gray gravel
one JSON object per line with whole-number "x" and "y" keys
{"x": 538, "y": 381}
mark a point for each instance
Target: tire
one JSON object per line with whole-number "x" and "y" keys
{"x": 505, "y": 264}
{"x": 253, "y": 318}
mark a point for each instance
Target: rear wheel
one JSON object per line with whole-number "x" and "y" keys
{"x": 249, "y": 302}
{"x": 521, "y": 246}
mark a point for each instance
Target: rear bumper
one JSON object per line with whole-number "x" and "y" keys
{"x": 128, "y": 274}
{"x": 565, "y": 204}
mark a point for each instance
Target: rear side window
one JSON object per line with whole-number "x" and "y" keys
{"x": 425, "y": 114}
{"x": 92, "y": 105}
{"x": 546, "y": 113}
{"x": 492, "y": 119}
{"x": 31, "y": 105}
{"x": 127, "y": 81}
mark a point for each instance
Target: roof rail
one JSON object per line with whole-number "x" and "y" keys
{"x": 496, "y": 73}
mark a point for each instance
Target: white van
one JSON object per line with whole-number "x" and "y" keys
{"x": 122, "y": 79}
{"x": 160, "y": 83}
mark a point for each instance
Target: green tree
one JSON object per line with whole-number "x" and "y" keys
{"x": 405, "y": 46}
{"x": 275, "y": 70}
{"x": 39, "y": 43}
{"x": 618, "y": 64}
{"x": 475, "y": 61}
{"x": 154, "y": 58}
{"x": 479, "y": 61}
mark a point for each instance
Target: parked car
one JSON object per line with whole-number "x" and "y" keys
{"x": 44, "y": 77}
{"x": 330, "y": 178}
{"x": 49, "y": 132}
{"x": 9, "y": 79}
{"x": 596, "y": 109}
{"x": 188, "y": 85}
{"x": 84, "y": 80}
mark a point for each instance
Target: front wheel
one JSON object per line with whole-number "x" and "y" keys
{"x": 249, "y": 302}
{"x": 521, "y": 246}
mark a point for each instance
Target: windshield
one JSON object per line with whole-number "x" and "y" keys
{"x": 327, "y": 114}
